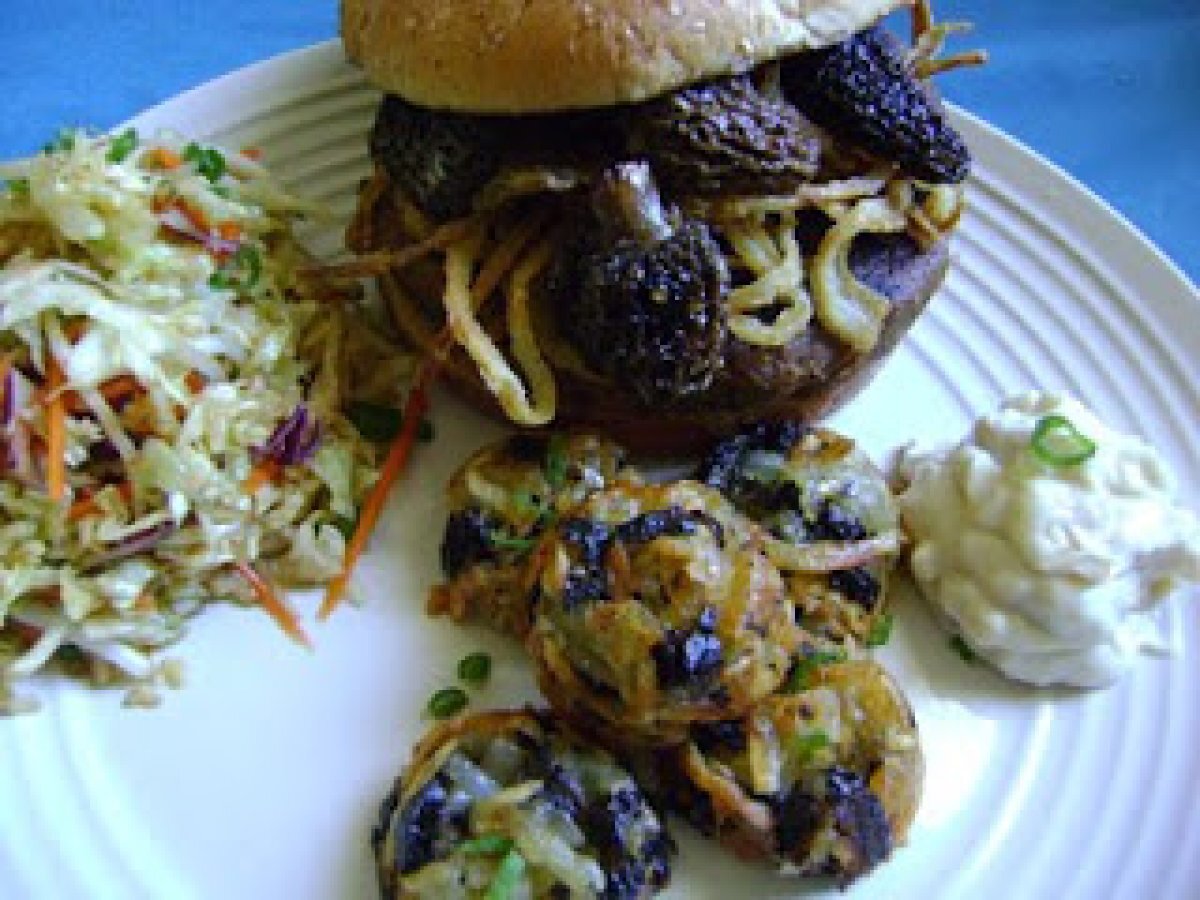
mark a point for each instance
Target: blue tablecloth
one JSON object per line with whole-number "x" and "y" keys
{"x": 1108, "y": 89}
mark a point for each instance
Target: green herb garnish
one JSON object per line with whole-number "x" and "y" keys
{"x": 881, "y": 630}
{"x": 1058, "y": 442}
{"x": 241, "y": 271}
{"x": 347, "y": 525}
{"x": 963, "y": 649}
{"x": 807, "y": 745}
{"x": 800, "y": 677}
{"x": 556, "y": 461}
{"x": 18, "y": 187}
{"x": 122, "y": 145}
{"x": 508, "y": 876}
{"x": 63, "y": 142}
{"x": 486, "y": 845}
{"x": 474, "y": 668}
{"x": 448, "y": 702}
{"x": 374, "y": 421}
{"x": 208, "y": 161}
{"x": 508, "y": 542}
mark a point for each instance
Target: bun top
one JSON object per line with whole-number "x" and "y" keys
{"x": 523, "y": 56}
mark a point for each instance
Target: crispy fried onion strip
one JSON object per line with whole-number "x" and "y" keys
{"x": 848, "y": 308}
{"x": 532, "y": 406}
{"x": 774, "y": 259}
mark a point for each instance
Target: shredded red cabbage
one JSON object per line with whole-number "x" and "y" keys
{"x": 294, "y": 440}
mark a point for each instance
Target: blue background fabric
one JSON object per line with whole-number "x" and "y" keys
{"x": 1107, "y": 89}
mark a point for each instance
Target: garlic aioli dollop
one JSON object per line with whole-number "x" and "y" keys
{"x": 1049, "y": 569}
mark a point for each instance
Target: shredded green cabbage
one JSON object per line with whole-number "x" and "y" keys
{"x": 164, "y": 279}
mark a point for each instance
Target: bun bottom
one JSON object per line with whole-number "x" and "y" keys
{"x": 833, "y": 375}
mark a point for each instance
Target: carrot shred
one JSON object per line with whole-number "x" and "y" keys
{"x": 393, "y": 466}
{"x": 56, "y": 432}
{"x": 195, "y": 381}
{"x": 86, "y": 505}
{"x": 252, "y": 152}
{"x": 273, "y": 605}
{"x": 114, "y": 390}
{"x": 162, "y": 158}
{"x": 229, "y": 230}
{"x": 267, "y": 470}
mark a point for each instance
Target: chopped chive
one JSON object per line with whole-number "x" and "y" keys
{"x": 122, "y": 145}
{"x": 474, "y": 668}
{"x": 374, "y": 421}
{"x": 447, "y": 702}
{"x": 508, "y": 875}
{"x": 881, "y": 630}
{"x": 208, "y": 161}
{"x": 1058, "y": 442}
{"x": 425, "y": 432}
{"x": 803, "y": 669}
{"x": 963, "y": 649}
{"x": 807, "y": 745}
{"x": 556, "y": 461}
{"x": 486, "y": 845}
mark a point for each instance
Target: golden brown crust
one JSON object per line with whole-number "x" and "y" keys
{"x": 513, "y": 56}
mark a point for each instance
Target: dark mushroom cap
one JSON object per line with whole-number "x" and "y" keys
{"x": 514, "y": 781}
{"x": 825, "y": 780}
{"x": 501, "y": 501}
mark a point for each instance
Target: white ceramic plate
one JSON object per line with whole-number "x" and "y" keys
{"x": 261, "y": 779}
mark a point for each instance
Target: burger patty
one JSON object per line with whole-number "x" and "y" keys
{"x": 640, "y": 287}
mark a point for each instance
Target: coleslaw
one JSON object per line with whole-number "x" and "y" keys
{"x": 175, "y": 378}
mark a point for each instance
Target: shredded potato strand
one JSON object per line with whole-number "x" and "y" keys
{"x": 524, "y": 343}
{"x": 495, "y": 370}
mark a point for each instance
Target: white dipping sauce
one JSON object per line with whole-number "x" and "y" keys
{"x": 1051, "y": 572}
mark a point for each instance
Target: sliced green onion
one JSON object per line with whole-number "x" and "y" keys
{"x": 527, "y": 503}
{"x": 18, "y": 187}
{"x": 963, "y": 649}
{"x": 508, "y": 875}
{"x": 347, "y": 525}
{"x": 377, "y": 423}
{"x": 474, "y": 668}
{"x": 881, "y": 630}
{"x": 486, "y": 845}
{"x": 122, "y": 145}
{"x": 807, "y": 745}
{"x": 208, "y": 161}
{"x": 800, "y": 677}
{"x": 241, "y": 271}
{"x": 448, "y": 702}
{"x": 556, "y": 461}
{"x": 507, "y": 542}
{"x": 1058, "y": 442}
{"x": 63, "y": 142}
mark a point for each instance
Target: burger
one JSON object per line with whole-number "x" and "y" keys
{"x": 658, "y": 219}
